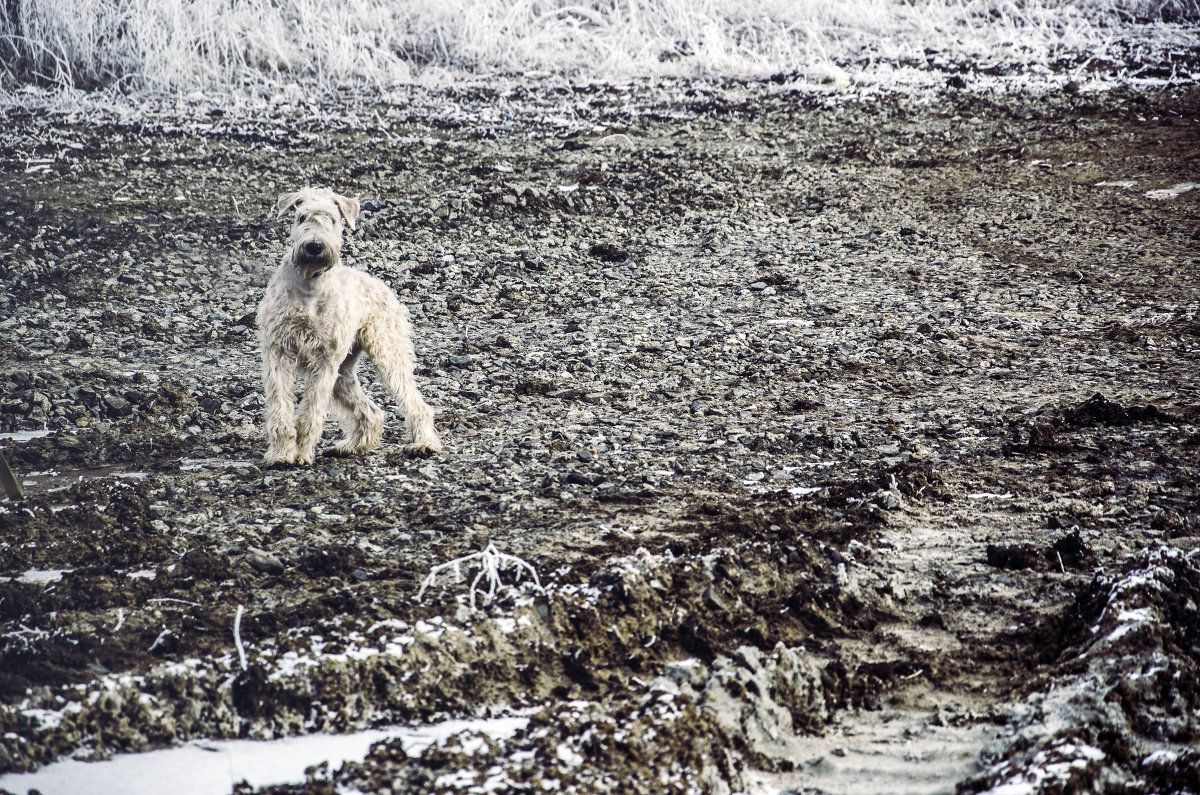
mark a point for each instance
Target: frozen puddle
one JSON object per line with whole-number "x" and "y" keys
{"x": 213, "y": 767}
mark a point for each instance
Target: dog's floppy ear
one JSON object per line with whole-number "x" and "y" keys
{"x": 286, "y": 202}
{"x": 349, "y": 208}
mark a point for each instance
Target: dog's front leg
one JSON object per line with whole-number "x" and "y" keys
{"x": 310, "y": 421}
{"x": 279, "y": 387}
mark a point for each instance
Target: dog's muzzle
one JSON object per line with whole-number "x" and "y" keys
{"x": 312, "y": 253}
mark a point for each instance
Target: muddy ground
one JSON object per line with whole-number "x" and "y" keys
{"x": 854, "y": 439}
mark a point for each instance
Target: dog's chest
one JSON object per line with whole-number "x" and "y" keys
{"x": 312, "y": 323}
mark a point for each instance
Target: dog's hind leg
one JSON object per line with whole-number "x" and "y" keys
{"x": 388, "y": 341}
{"x": 363, "y": 420}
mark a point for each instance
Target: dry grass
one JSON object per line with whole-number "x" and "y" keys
{"x": 180, "y": 45}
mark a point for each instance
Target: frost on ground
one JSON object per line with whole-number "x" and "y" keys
{"x": 810, "y": 411}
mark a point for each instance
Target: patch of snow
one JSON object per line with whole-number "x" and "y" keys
{"x": 50, "y": 718}
{"x": 1171, "y": 192}
{"x": 568, "y": 755}
{"x": 800, "y": 491}
{"x": 212, "y": 767}
{"x": 43, "y": 576}
{"x": 24, "y": 436}
{"x": 1161, "y": 756}
{"x": 429, "y": 629}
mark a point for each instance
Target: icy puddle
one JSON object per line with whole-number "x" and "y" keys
{"x": 212, "y": 767}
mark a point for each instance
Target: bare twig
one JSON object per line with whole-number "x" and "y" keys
{"x": 166, "y": 633}
{"x": 237, "y": 636}
{"x": 173, "y": 599}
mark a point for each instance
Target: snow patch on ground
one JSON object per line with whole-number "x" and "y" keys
{"x": 1172, "y": 192}
{"x": 213, "y": 767}
{"x": 23, "y": 436}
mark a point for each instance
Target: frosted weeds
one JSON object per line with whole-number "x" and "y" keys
{"x": 184, "y": 45}
{"x": 491, "y": 562}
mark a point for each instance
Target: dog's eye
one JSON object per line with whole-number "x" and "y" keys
{"x": 301, "y": 218}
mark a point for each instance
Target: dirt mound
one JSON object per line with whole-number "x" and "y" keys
{"x": 1121, "y": 712}
{"x": 1100, "y": 410}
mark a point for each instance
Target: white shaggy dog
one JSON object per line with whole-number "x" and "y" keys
{"x": 319, "y": 317}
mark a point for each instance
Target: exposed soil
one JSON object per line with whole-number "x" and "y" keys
{"x": 852, "y": 439}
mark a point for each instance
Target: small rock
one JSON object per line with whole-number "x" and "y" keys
{"x": 580, "y": 479}
{"x": 118, "y": 405}
{"x": 607, "y": 252}
{"x": 889, "y": 500}
{"x": 263, "y": 561}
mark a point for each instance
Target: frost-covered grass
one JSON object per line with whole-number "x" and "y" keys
{"x": 181, "y": 45}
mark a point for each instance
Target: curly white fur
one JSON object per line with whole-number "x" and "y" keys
{"x": 316, "y": 319}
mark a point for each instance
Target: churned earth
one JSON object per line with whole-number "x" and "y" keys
{"x": 853, "y": 439}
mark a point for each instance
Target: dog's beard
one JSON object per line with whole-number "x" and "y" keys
{"x": 307, "y": 262}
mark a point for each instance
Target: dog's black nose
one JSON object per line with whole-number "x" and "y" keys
{"x": 313, "y": 248}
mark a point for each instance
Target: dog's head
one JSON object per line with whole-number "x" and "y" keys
{"x": 319, "y": 217}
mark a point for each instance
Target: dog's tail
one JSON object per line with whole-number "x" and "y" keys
{"x": 387, "y": 339}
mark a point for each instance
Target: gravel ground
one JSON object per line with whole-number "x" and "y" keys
{"x": 853, "y": 438}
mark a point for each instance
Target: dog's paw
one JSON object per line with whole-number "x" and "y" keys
{"x": 344, "y": 448}
{"x": 424, "y": 449}
{"x": 275, "y": 459}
